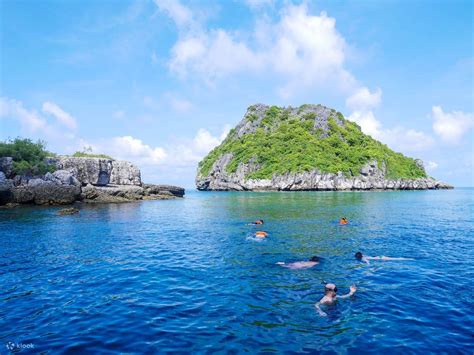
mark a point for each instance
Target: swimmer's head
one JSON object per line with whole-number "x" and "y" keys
{"x": 315, "y": 259}
{"x": 358, "y": 255}
{"x": 330, "y": 288}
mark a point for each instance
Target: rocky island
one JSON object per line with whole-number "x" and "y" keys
{"x": 311, "y": 147}
{"x": 86, "y": 179}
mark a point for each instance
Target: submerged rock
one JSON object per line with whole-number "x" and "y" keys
{"x": 68, "y": 211}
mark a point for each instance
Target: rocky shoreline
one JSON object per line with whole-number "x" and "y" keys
{"x": 89, "y": 180}
{"x": 371, "y": 178}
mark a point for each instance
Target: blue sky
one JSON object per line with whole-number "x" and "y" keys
{"x": 160, "y": 82}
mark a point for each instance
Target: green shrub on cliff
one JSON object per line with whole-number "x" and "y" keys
{"x": 91, "y": 155}
{"x": 28, "y": 157}
{"x": 284, "y": 144}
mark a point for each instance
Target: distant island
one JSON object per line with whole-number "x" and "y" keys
{"x": 29, "y": 174}
{"x": 311, "y": 147}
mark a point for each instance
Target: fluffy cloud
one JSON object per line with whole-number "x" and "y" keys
{"x": 398, "y": 138}
{"x": 363, "y": 99}
{"x": 29, "y": 120}
{"x": 256, "y": 4}
{"x": 34, "y": 124}
{"x": 451, "y": 126}
{"x": 303, "y": 49}
{"x": 183, "y": 153}
{"x": 431, "y": 165}
{"x": 367, "y": 122}
{"x": 179, "y": 13}
{"x": 61, "y": 116}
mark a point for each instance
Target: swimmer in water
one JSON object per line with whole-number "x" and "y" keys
{"x": 261, "y": 234}
{"x": 257, "y": 222}
{"x": 343, "y": 221}
{"x": 361, "y": 257}
{"x": 300, "y": 264}
{"x": 330, "y": 297}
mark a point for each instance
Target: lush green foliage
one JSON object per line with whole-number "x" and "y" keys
{"x": 28, "y": 157}
{"x": 91, "y": 155}
{"x": 290, "y": 144}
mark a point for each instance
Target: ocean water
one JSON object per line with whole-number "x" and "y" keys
{"x": 186, "y": 276}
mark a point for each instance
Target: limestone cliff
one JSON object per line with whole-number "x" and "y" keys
{"x": 94, "y": 180}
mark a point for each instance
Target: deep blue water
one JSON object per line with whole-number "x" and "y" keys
{"x": 184, "y": 276}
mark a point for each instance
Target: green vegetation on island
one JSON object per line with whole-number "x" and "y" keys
{"x": 286, "y": 140}
{"x": 28, "y": 156}
{"x": 91, "y": 155}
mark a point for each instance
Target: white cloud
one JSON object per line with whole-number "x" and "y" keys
{"x": 183, "y": 153}
{"x": 367, "y": 122}
{"x": 61, "y": 116}
{"x": 304, "y": 50}
{"x": 363, "y": 99}
{"x": 212, "y": 56}
{"x": 177, "y": 103}
{"x": 431, "y": 165}
{"x": 35, "y": 125}
{"x": 406, "y": 140}
{"x": 256, "y": 4}
{"x": 29, "y": 120}
{"x": 179, "y": 13}
{"x": 398, "y": 138}
{"x": 451, "y": 126}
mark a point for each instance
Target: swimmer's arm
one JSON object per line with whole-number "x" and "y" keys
{"x": 318, "y": 308}
{"x": 390, "y": 258}
{"x": 353, "y": 289}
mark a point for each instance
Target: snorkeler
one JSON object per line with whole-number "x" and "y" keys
{"x": 257, "y": 222}
{"x": 343, "y": 221}
{"x": 330, "y": 297}
{"x": 261, "y": 234}
{"x": 361, "y": 257}
{"x": 300, "y": 264}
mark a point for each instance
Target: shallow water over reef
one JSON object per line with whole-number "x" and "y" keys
{"x": 187, "y": 276}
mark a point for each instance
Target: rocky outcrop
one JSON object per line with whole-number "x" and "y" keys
{"x": 81, "y": 179}
{"x": 124, "y": 173}
{"x": 372, "y": 177}
{"x": 99, "y": 171}
{"x": 59, "y": 188}
{"x": 124, "y": 193}
{"x": 6, "y": 166}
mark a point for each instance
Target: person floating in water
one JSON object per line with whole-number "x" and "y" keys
{"x": 257, "y": 222}
{"x": 300, "y": 264}
{"x": 343, "y": 221}
{"x": 330, "y": 297}
{"x": 261, "y": 234}
{"x": 361, "y": 257}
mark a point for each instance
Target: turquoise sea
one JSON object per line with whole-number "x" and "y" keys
{"x": 186, "y": 276}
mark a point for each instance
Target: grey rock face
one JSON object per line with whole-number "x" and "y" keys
{"x": 6, "y": 166}
{"x": 256, "y": 113}
{"x": 98, "y": 171}
{"x": 150, "y": 190}
{"x": 124, "y": 173}
{"x": 125, "y": 193}
{"x": 5, "y": 189}
{"x": 372, "y": 178}
{"x": 43, "y": 192}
